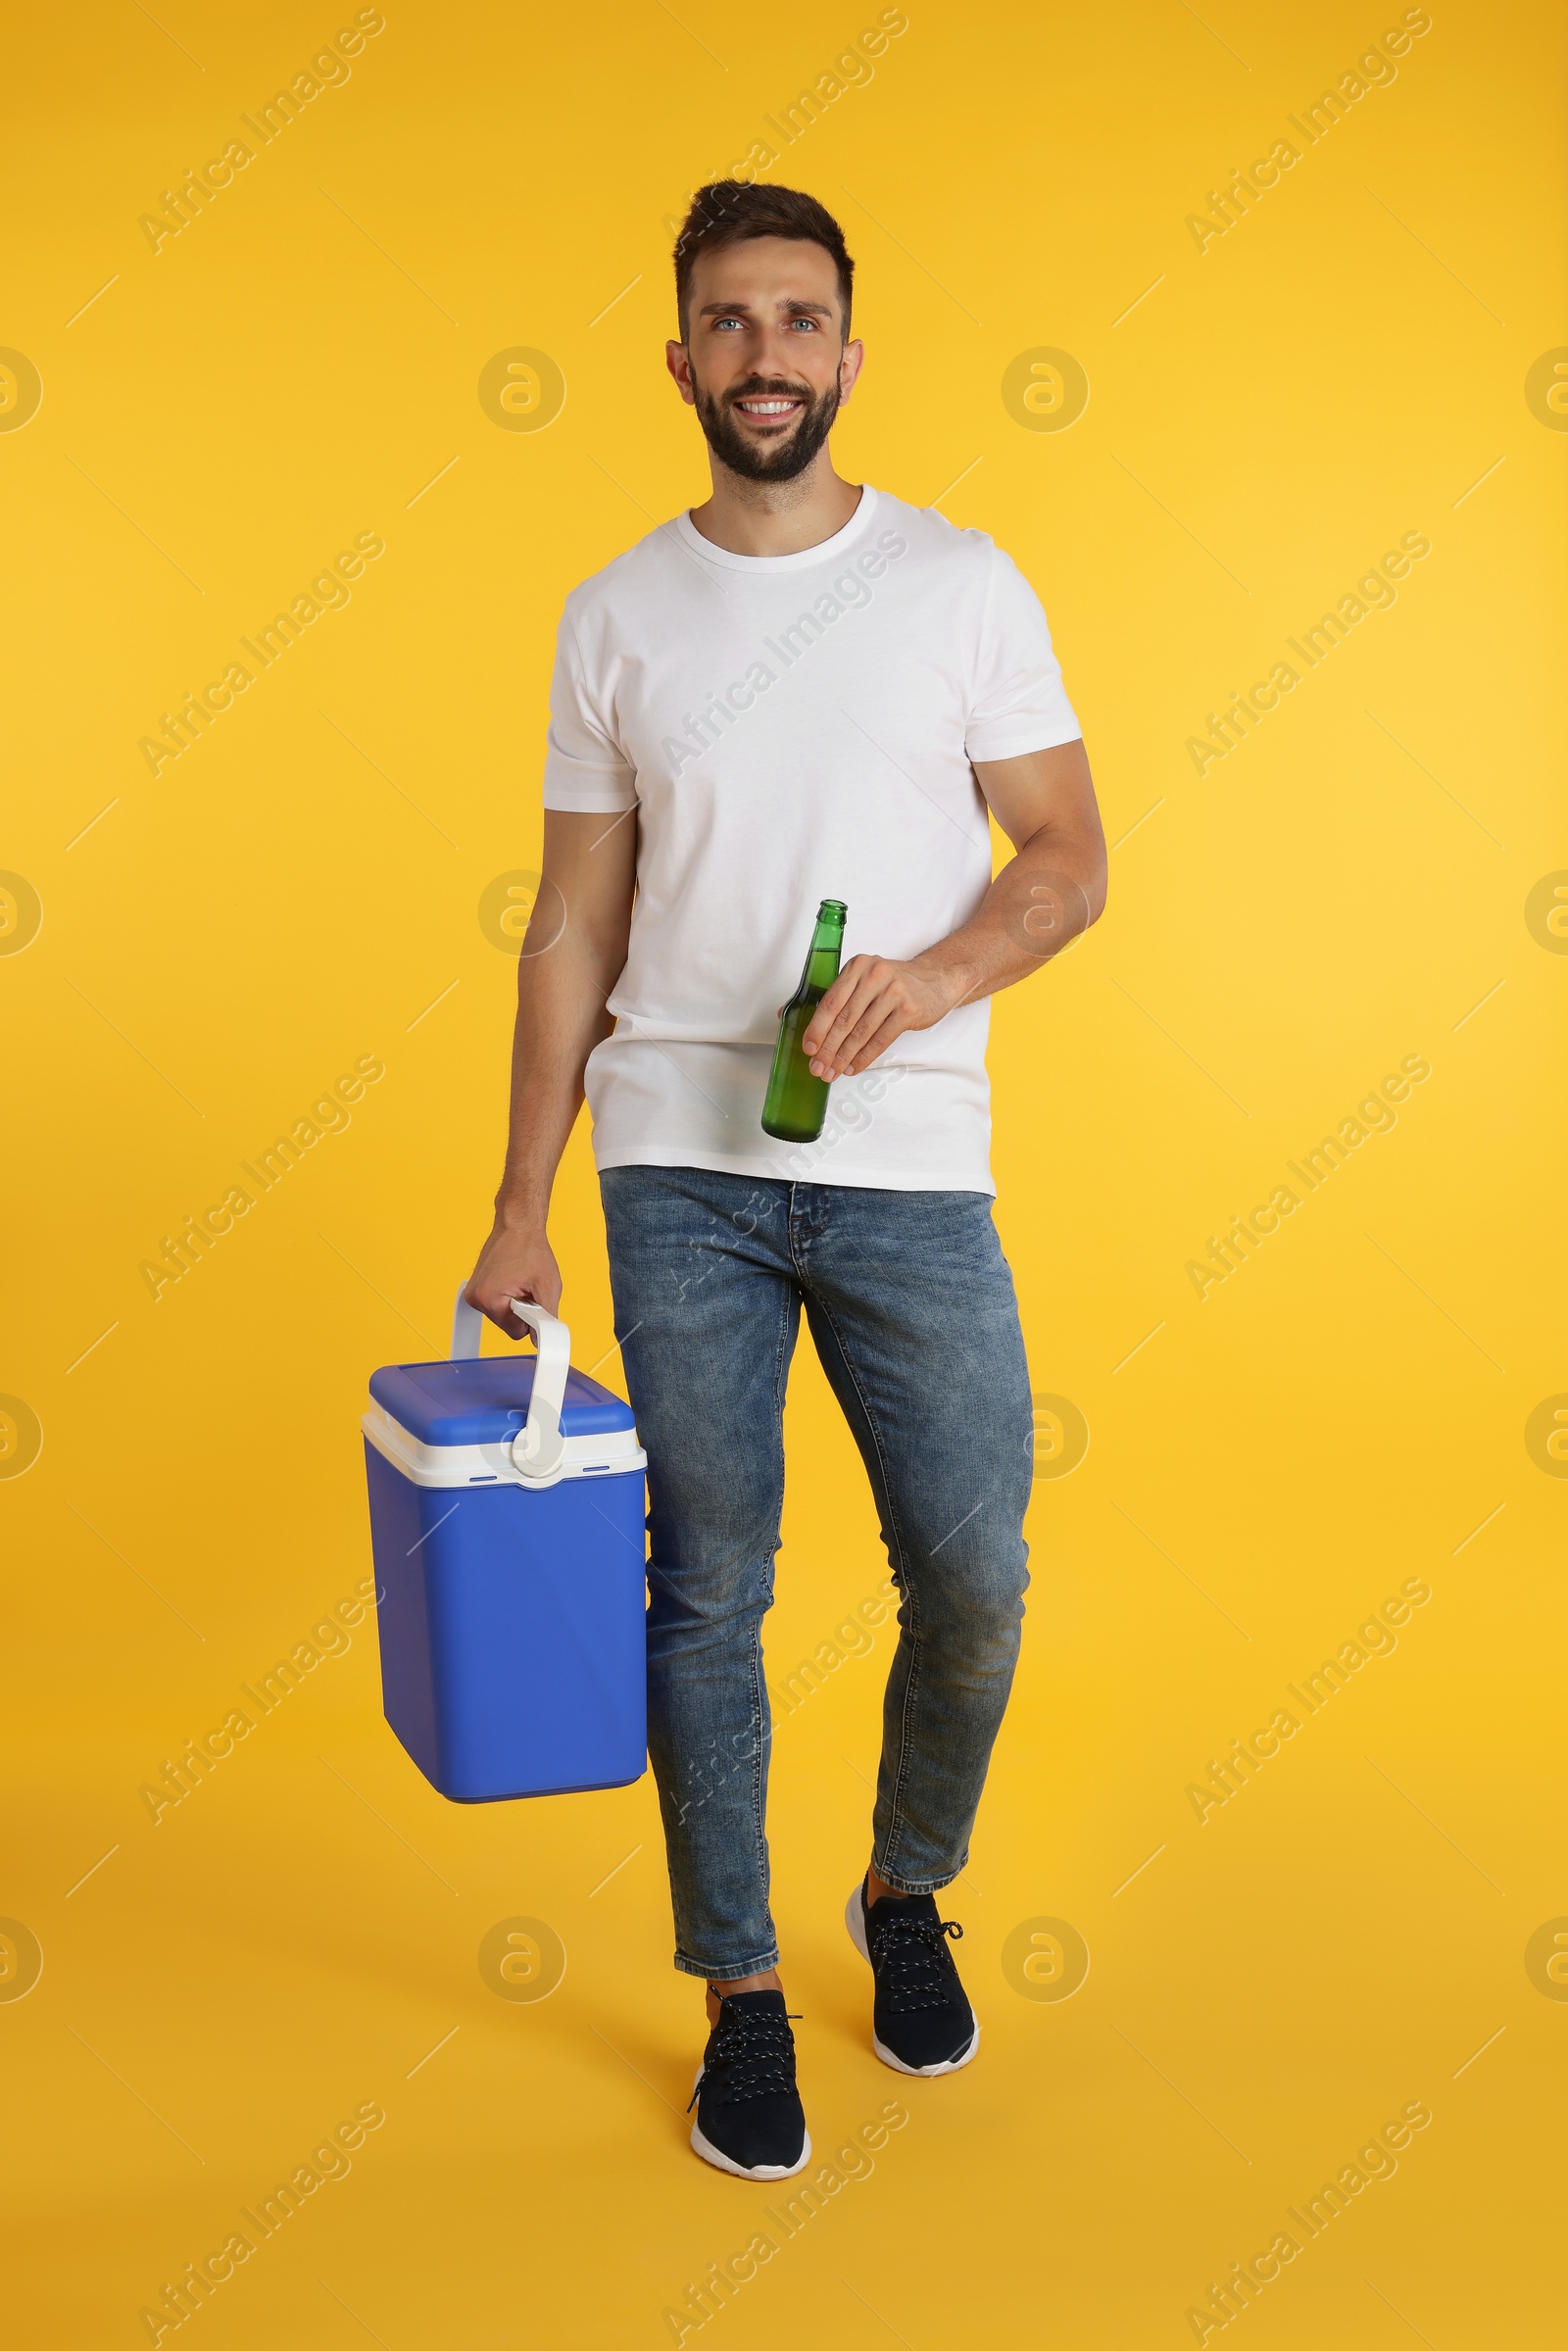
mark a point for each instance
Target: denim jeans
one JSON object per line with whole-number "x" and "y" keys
{"x": 912, "y": 1309}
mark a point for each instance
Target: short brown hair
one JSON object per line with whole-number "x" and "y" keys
{"x": 729, "y": 210}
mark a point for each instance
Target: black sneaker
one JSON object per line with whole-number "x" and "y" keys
{"x": 922, "y": 2022}
{"x": 749, "y": 2119}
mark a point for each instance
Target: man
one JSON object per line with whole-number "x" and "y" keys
{"x": 801, "y": 689}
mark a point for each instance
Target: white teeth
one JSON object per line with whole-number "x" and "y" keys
{"x": 766, "y": 407}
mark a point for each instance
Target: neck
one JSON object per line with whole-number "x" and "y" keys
{"x": 783, "y": 517}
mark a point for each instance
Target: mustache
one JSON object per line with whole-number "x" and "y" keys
{"x": 771, "y": 388}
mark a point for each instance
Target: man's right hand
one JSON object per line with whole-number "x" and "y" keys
{"x": 517, "y": 1261}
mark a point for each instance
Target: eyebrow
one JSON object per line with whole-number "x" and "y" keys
{"x": 813, "y": 310}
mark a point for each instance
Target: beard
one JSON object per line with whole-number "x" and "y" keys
{"x": 773, "y": 461}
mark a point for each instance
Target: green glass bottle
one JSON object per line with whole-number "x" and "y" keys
{"x": 796, "y": 1106}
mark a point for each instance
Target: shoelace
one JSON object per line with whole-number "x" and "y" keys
{"x": 752, "y": 2056}
{"x": 913, "y": 1964}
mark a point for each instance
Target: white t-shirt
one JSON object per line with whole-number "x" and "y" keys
{"x": 791, "y": 728}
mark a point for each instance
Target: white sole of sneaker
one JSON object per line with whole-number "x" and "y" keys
{"x": 949, "y": 2065}
{"x": 721, "y": 2162}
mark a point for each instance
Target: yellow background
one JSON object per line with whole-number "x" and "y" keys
{"x": 293, "y": 369}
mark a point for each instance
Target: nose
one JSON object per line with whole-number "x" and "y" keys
{"x": 777, "y": 353}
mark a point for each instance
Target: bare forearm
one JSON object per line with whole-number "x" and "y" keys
{"x": 560, "y": 1018}
{"x": 1040, "y": 901}
{"x": 1038, "y": 904}
{"x": 573, "y": 954}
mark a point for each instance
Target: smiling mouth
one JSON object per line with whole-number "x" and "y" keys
{"x": 768, "y": 409}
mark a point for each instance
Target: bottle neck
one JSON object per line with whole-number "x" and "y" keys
{"x": 822, "y": 955}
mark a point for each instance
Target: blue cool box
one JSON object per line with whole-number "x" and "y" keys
{"x": 509, "y": 1567}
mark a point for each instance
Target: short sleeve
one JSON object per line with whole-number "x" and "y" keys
{"x": 586, "y": 772}
{"x": 1017, "y": 700}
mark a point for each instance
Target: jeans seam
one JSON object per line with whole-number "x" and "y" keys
{"x": 758, "y": 1680}
{"x": 727, "y": 1973}
{"x": 900, "y": 1772}
{"x": 928, "y": 1885}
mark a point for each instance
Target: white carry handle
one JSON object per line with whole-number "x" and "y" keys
{"x": 537, "y": 1448}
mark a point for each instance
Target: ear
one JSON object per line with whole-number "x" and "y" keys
{"x": 849, "y": 366}
{"x": 678, "y": 361}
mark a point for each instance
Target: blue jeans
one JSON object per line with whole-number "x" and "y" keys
{"x": 912, "y": 1309}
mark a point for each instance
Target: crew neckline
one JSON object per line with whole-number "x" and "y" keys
{"x": 826, "y": 551}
